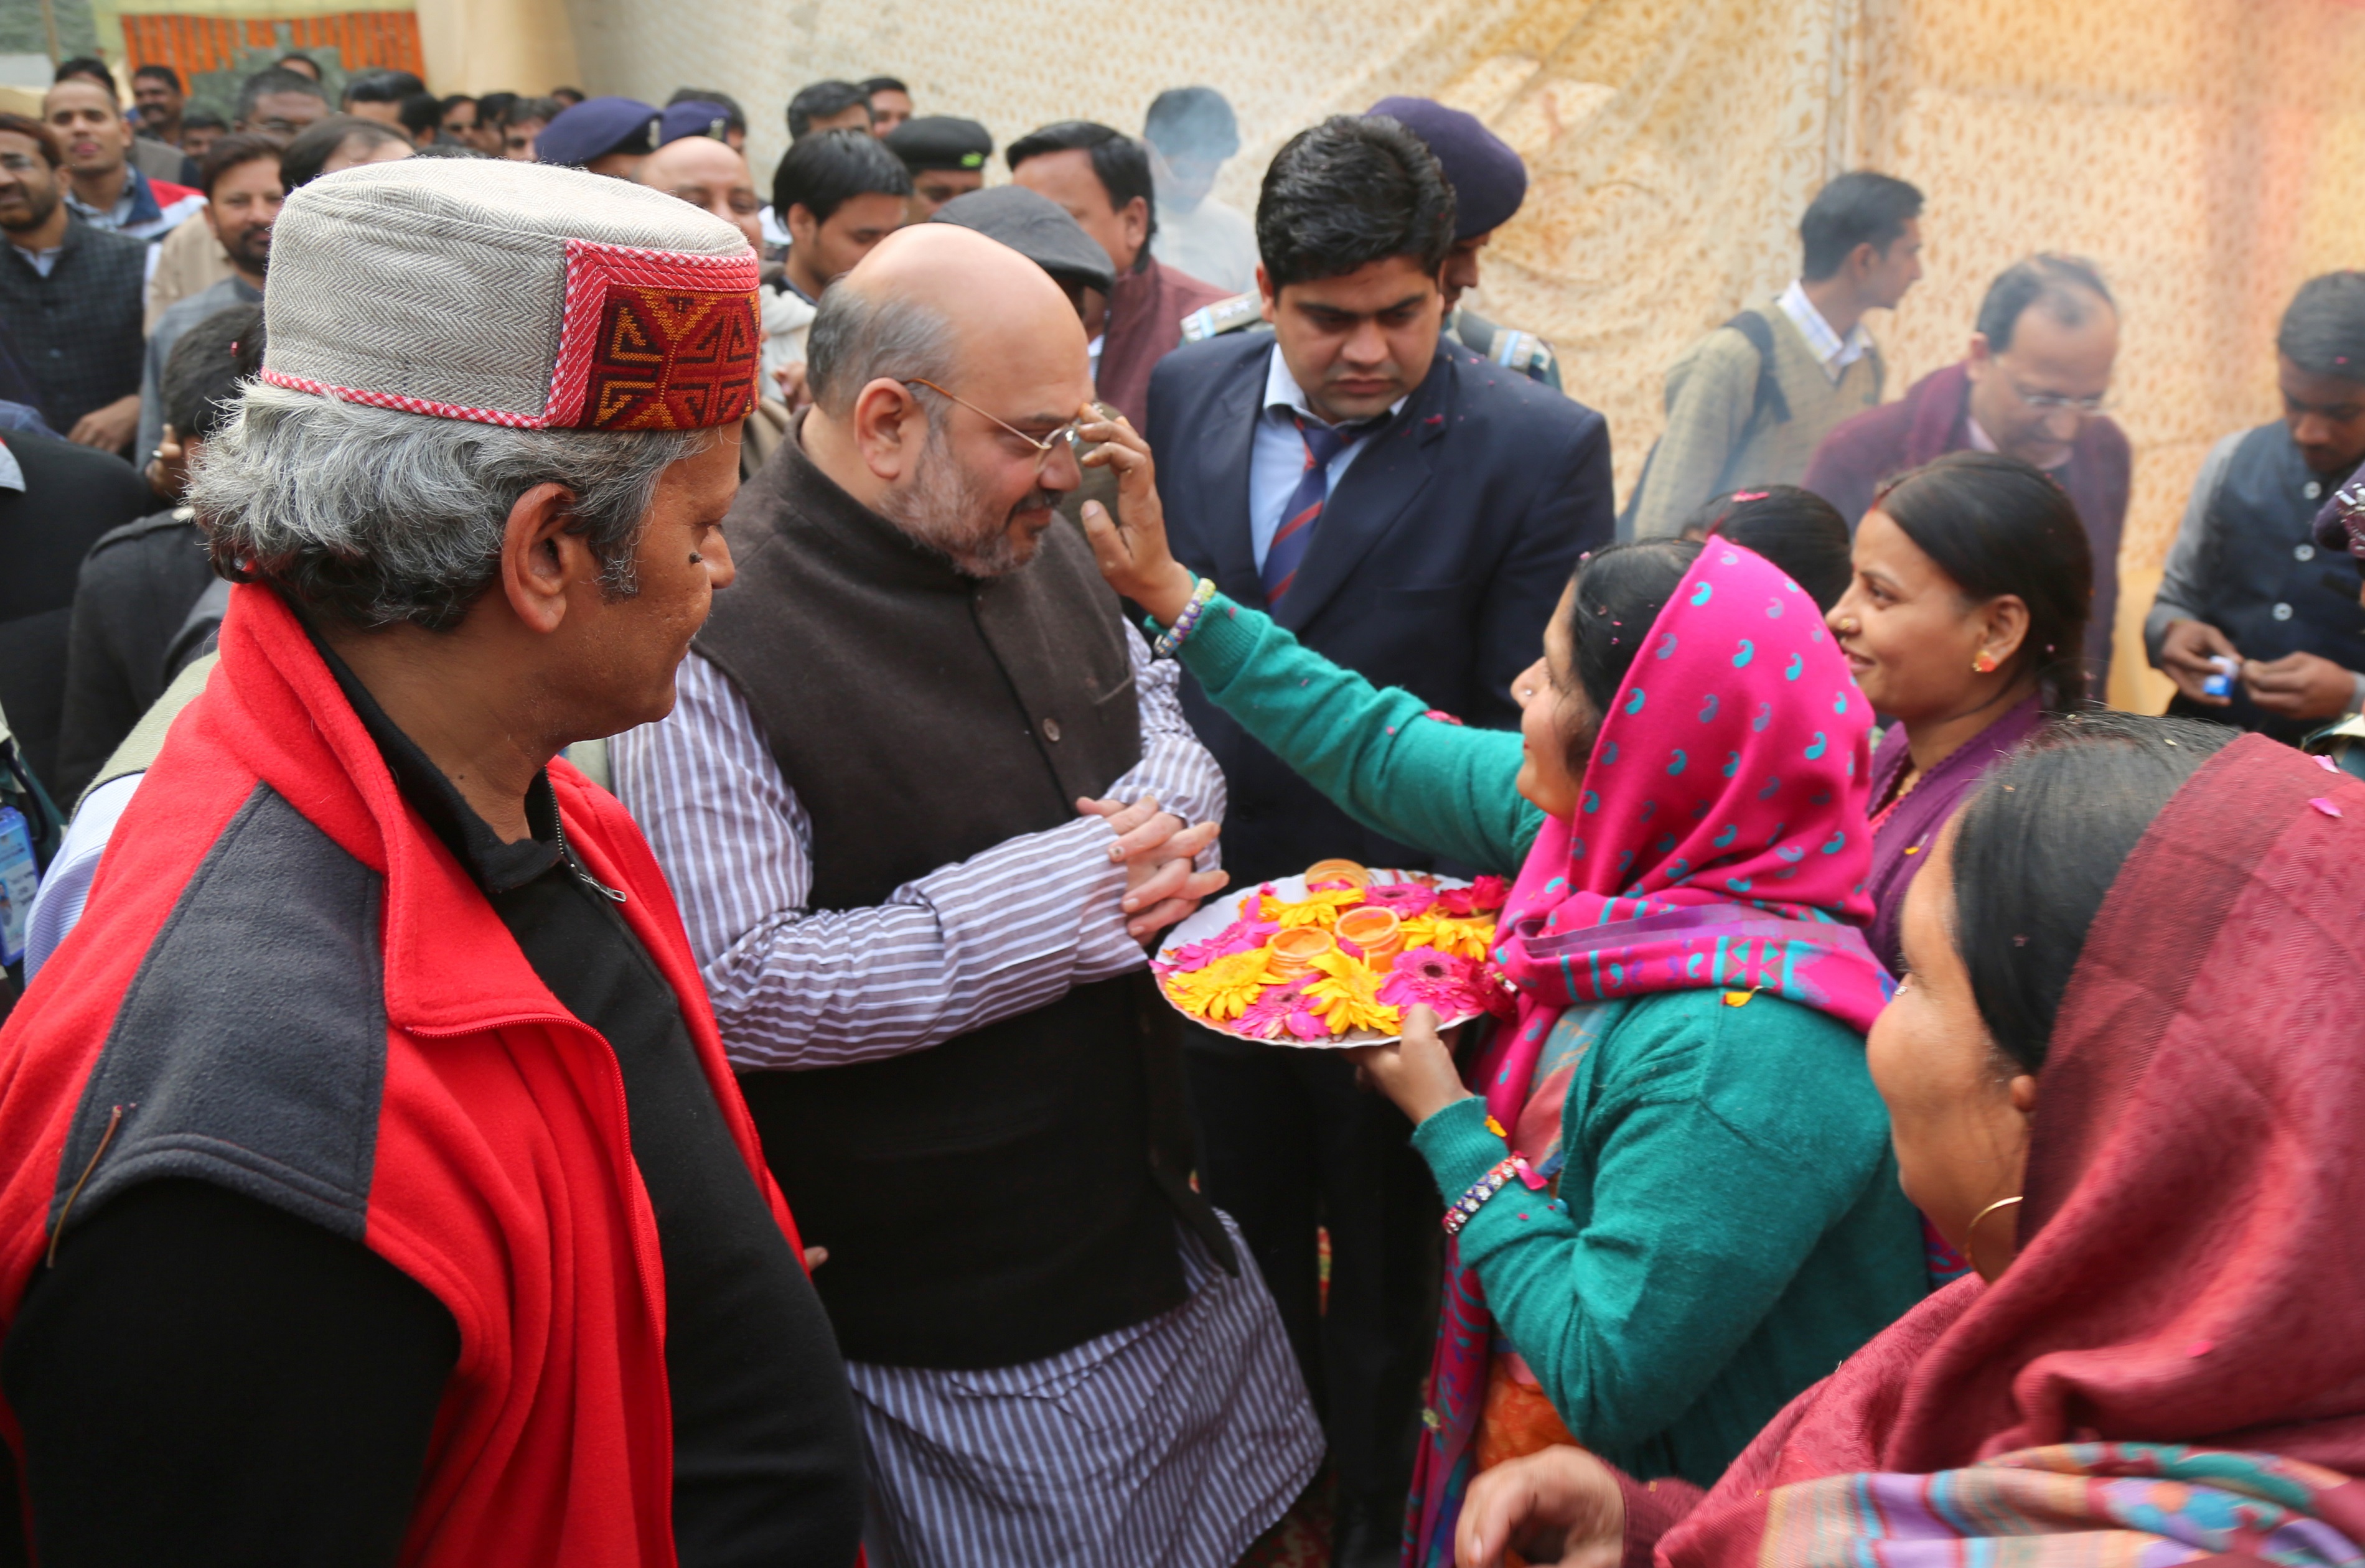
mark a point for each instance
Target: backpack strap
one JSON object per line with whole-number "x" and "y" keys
{"x": 1770, "y": 404}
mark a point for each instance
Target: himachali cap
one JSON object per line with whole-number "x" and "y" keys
{"x": 940, "y": 141}
{"x": 512, "y": 294}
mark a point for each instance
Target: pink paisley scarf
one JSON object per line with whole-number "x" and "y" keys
{"x": 1720, "y": 842}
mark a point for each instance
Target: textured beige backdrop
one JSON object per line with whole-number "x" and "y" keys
{"x": 2203, "y": 152}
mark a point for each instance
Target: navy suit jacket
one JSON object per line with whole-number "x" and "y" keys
{"x": 1435, "y": 565}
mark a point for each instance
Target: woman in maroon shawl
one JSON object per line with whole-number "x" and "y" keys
{"x": 2124, "y": 1078}
{"x": 1965, "y": 625}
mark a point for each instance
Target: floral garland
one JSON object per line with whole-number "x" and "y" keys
{"x": 1290, "y": 968}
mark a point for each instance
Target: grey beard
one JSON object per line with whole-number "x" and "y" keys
{"x": 943, "y": 508}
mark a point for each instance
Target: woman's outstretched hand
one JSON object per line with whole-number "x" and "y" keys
{"x": 1560, "y": 1509}
{"x": 1131, "y": 547}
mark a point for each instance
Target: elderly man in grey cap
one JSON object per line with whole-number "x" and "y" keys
{"x": 377, "y": 1185}
{"x": 882, "y": 802}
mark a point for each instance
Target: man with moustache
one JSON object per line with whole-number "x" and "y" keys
{"x": 106, "y": 188}
{"x": 69, "y": 293}
{"x": 242, "y": 197}
{"x": 892, "y": 802}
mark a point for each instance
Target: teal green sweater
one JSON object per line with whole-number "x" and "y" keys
{"x": 1730, "y": 1225}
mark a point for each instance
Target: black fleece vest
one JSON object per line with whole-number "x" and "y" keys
{"x": 1013, "y": 1191}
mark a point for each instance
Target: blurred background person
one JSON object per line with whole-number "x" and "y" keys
{"x": 827, "y": 106}
{"x": 243, "y": 196}
{"x": 70, "y": 295}
{"x": 720, "y": 117}
{"x": 1190, "y": 132}
{"x": 302, "y": 64}
{"x": 2245, "y": 580}
{"x": 1795, "y": 528}
{"x": 377, "y": 94}
{"x": 456, "y": 119}
{"x": 841, "y": 192}
{"x": 945, "y": 155}
{"x": 280, "y": 102}
{"x": 105, "y": 187}
{"x": 156, "y": 92}
{"x": 891, "y": 103}
{"x": 523, "y": 127}
{"x": 2032, "y": 387}
{"x": 606, "y": 136}
{"x": 200, "y": 128}
{"x": 341, "y": 141}
{"x": 1748, "y": 403}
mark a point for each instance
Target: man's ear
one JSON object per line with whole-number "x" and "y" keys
{"x": 1981, "y": 355}
{"x": 1136, "y": 218}
{"x": 541, "y": 561}
{"x": 889, "y": 425}
{"x": 803, "y": 228}
{"x": 1270, "y": 294}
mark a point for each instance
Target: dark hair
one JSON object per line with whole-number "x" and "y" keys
{"x": 163, "y": 73}
{"x": 380, "y": 86}
{"x": 230, "y": 151}
{"x": 824, "y": 171}
{"x": 316, "y": 144}
{"x": 1996, "y": 526}
{"x": 421, "y": 114}
{"x": 1798, "y": 531}
{"x": 1353, "y": 190}
{"x": 1192, "y": 120}
{"x": 86, "y": 67}
{"x": 2066, "y": 285}
{"x": 494, "y": 107}
{"x": 820, "y": 100}
{"x": 1859, "y": 207}
{"x": 197, "y": 118}
{"x": 25, "y": 124}
{"x": 453, "y": 100}
{"x": 2038, "y": 847}
{"x": 263, "y": 83}
{"x": 1621, "y": 590}
{"x": 566, "y": 97}
{"x": 2322, "y": 330}
{"x": 281, "y": 64}
{"x": 870, "y": 84}
{"x": 202, "y": 375}
{"x": 1120, "y": 161}
{"x": 450, "y": 149}
{"x": 524, "y": 109}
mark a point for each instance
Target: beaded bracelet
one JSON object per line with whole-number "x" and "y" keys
{"x": 1458, "y": 1213}
{"x": 1174, "y": 636}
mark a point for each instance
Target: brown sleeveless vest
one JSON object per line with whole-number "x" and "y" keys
{"x": 1013, "y": 1191}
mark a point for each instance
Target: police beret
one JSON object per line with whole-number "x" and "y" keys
{"x": 940, "y": 141}
{"x": 1037, "y": 229}
{"x": 595, "y": 128}
{"x": 695, "y": 118}
{"x": 1488, "y": 180}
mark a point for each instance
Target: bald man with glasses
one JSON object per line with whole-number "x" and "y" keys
{"x": 2035, "y": 385}
{"x": 924, "y": 797}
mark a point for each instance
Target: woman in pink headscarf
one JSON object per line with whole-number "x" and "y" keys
{"x": 1671, "y": 1195}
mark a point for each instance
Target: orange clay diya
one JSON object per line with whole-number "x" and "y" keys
{"x": 1294, "y": 950}
{"x": 1377, "y": 932}
{"x": 1345, "y": 871}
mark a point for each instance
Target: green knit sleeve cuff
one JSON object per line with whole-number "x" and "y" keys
{"x": 1224, "y": 642}
{"x": 1458, "y": 1146}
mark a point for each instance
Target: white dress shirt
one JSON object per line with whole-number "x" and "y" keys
{"x": 1277, "y": 452}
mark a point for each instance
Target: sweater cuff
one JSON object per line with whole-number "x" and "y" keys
{"x": 1223, "y": 643}
{"x": 1458, "y": 1146}
{"x": 1653, "y": 1508}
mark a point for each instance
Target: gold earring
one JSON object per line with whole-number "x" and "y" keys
{"x": 1985, "y": 664}
{"x": 1971, "y": 1233}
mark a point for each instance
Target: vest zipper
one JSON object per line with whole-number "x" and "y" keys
{"x": 582, "y": 872}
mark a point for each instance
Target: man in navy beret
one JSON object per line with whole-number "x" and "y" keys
{"x": 605, "y": 136}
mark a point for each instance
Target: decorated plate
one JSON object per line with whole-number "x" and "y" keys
{"x": 1334, "y": 957}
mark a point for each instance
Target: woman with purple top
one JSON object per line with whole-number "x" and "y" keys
{"x": 1965, "y": 626}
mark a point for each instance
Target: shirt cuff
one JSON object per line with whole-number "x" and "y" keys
{"x": 2355, "y": 696}
{"x": 1458, "y": 1146}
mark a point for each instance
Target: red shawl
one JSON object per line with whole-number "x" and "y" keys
{"x": 2192, "y": 1247}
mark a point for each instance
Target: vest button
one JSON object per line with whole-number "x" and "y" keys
{"x": 1051, "y": 726}
{"x": 2282, "y": 612}
{"x": 2311, "y": 490}
{"x": 2304, "y": 553}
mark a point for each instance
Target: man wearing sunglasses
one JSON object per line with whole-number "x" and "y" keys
{"x": 923, "y": 799}
{"x": 2032, "y": 386}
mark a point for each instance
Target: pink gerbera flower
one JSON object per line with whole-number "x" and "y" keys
{"x": 1443, "y": 980}
{"x": 1405, "y": 900}
{"x": 1237, "y": 937}
{"x": 1268, "y": 1016}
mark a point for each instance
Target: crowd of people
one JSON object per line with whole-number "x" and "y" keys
{"x": 594, "y": 752}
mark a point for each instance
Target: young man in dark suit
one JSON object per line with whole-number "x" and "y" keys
{"x": 1414, "y": 513}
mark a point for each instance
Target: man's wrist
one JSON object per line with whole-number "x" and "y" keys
{"x": 2355, "y": 696}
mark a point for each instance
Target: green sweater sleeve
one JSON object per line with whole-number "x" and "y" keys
{"x": 1708, "y": 1150}
{"x": 1446, "y": 787}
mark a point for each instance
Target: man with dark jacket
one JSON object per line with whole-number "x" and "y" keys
{"x": 71, "y": 294}
{"x": 377, "y": 1188}
{"x": 1102, "y": 177}
{"x": 2032, "y": 388}
{"x": 882, "y": 800}
{"x": 1413, "y": 512}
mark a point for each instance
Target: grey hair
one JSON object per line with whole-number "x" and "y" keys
{"x": 381, "y": 517}
{"x": 856, "y": 339}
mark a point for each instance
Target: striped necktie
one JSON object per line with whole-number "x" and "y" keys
{"x": 1304, "y": 510}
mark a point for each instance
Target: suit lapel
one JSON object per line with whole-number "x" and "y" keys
{"x": 1223, "y": 464}
{"x": 1380, "y": 486}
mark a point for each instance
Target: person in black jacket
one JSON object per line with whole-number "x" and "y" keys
{"x": 1412, "y": 511}
{"x": 141, "y": 582}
